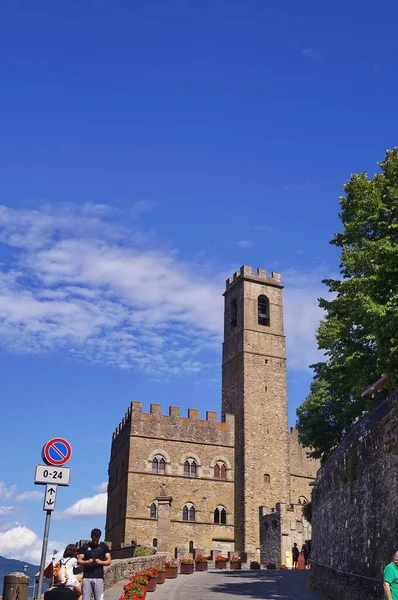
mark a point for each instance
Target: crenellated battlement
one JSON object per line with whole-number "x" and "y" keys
{"x": 173, "y": 425}
{"x": 260, "y": 275}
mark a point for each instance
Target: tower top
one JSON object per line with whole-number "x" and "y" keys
{"x": 260, "y": 276}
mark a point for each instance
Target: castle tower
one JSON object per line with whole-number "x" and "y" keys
{"x": 254, "y": 390}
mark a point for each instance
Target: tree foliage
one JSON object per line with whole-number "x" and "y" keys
{"x": 359, "y": 333}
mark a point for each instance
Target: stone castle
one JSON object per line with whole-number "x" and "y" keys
{"x": 182, "y": 484}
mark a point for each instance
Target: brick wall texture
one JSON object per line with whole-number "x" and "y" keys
{"x": 264, "y": 463}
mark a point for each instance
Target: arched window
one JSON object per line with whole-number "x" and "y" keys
{"x": 263, "y": 310}
{"x": 191, "y": 546}
{"x": 267, "y": 478}
{"x": 188, "y": 512}
{"x": 220, "y": 515}
{"x": 302, "y": 500}
{"x": 158, "y": 465}
{"x": 153, "y": 511}
{"x": 190, "y": 468}
{"x": 234, "y": 312}
{"x": 155, "y": 542}
{"x": 220, "y": 470}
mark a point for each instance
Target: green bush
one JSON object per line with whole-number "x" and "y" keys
{"x": 142, "y": 551}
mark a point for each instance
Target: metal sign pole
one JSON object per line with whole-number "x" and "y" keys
{"x": 44, "y": 553}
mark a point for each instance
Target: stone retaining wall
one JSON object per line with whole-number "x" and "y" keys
{"x": 121, "y": 569}
{"x": 354, "y": 524}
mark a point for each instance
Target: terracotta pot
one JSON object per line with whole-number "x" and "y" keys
{"x": 186, "y": 569}
{"x": 171, "y": 572}
{"x": 235, "y": 565}
{"x": 151, "y": 585}
{"x": 161, "y": 577}
{"x": 201, "y": 566}
{"x": 221, "y": 564}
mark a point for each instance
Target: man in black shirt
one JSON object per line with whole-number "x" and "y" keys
{"x": 93, "y": 557}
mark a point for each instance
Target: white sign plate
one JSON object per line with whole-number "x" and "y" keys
{"x": 50, "y": 496}
{"x": 55, "y": 475}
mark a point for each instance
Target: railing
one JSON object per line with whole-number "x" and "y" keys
{"x": 356, "y": 433}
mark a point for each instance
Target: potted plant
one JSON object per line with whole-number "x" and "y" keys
{"x": 171, "y": 569}
{"x": 271, "y": 565}
{"x": 221, "y": 561}
{"x": 160, "y": 570}
{"x": 255, "y": 565}
{"x": 186, "y": 566}
{"x": 235, "y": 562}
{"x": 139, "y": 578}
{"x": 200, "y": 562}
{"x": 152, "y": 576}
{"x": 133, "y": 591}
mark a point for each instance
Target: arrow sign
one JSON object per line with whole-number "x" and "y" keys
{"x": 50, "y": 496}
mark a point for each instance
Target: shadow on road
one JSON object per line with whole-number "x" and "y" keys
{"x": 284, "y": 585}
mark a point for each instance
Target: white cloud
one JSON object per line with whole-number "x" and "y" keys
{"x": 22, "y": 543}
{"x": 80, "y": 282}
{"x": 86, "y": 507}
{"x": 7, "y": 492}
{"x": 103, "y": 293}
{"x": 29, "y": 496}
{"x": 302, "y": 315}
{"x": 6, "y": 511}
{"x": 102, "y": 487}
{"x": 245, "y": 244}
{"x": 310, "y": 53}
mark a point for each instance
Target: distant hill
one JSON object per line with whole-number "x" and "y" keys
{"x": 9, "y": 565}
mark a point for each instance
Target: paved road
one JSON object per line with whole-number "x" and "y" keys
{"x": 231, "y": 585}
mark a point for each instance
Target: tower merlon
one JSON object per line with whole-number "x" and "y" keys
{"x": 260, "y": 276}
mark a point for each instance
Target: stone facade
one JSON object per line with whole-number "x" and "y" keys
{"x": 354, "y": 526}
{"x": 243, "y": 463}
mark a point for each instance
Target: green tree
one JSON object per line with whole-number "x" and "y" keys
{"x": 359, "y": 333}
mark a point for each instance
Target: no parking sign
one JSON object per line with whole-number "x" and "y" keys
{"x": 57, "y": 452}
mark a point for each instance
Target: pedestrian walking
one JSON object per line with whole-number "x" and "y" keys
{"x": 390, "y": 579}
{"x": 295, "y": 555}
{"x": 306, "y": 555}
{"x": 93, "y": 557}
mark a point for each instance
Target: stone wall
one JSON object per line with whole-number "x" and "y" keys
{"x": 280, "y": 528}
{"x": 302, "y": 469}
{"x": 122, "y": 569}
{"x": 354, "y": 523}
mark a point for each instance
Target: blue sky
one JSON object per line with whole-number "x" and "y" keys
{"x": 147, "y": 150}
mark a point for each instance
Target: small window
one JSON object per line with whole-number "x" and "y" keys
{"x": 220, "y": 470}
{"x": 220, "y": 515}
{"x": 263, "y": 310}
{"x": 234, "y": 312}
{"x": 274, "y": 524}
{"x": 302, "y": 500}
{"x": 191, "y": 547}
{"x": 188, "y": 512}
{"x": 189, "y": 468}
{"x": 153, "y": 511}
{"x": 267, "y": 479}
{"x": 155, "y": 542}
{"x": 158, "y": 465}
{"x": 265, "y": 526}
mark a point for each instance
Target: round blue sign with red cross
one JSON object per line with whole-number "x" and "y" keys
{"x": 57, "y": 452}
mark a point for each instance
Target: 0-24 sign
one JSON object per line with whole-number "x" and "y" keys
{"x": 50, "y": 474}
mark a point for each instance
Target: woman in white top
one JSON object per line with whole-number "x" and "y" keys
{"x": 74, "y": 578}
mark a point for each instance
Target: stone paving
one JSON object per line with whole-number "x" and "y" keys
{"x": 231, "y": 585}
